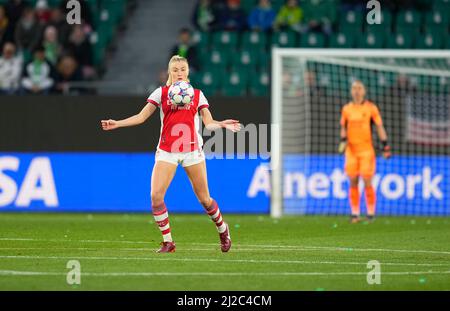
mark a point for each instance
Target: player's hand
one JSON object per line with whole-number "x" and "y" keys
{"x": 387, "y": 152}
{"x": 342, "y": 145}
{"x": 232, "y": 125}
{"x": 108, "y": 125}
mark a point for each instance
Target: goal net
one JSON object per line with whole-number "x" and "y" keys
{"x": 412, "y": 91}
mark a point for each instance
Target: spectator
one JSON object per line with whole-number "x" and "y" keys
{"x": 186, "y": 49}
{"x": 68, "y": 71}
{"x": 51, "y": 44}
{"x": 10, "y": 70}
{"x": 5, "y": 27}
{"x": 262, "y": 16}
{"x": 43, "y": 13}
{"x": 290, "y": 16}
{"x": 232, "y": 17}
{"x": 28, "y": 31}
{"x": 80, "y": 47}
{"x": 37, "y": 74}
{"x": 204, "y": 17}
{"x": 58, "y": 20}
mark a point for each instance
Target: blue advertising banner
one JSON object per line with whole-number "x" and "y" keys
{"x": 405, "y": 185}
{"x": 116, "y": 182}
{"x": 120, "y": 182}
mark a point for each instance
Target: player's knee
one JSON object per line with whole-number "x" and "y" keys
{"x": 367, "y": 183}
{"x": 205, "y": 201}
{"x": 157, "y": 197}
{"x": 354, "y": 182}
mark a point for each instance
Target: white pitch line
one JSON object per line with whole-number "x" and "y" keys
{"x": 82, "y": 241}
{"x": 219, "y": 260}
{"x": 213, "y": 274}
{"x": 248, "y": 247}
{"x": 292, "y": 247}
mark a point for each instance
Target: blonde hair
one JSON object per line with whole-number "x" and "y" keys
{"x": 175, "y": 58}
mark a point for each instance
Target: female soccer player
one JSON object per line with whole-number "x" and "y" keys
{"x": 180, "y": 142}
{"x": 356, "y": 140}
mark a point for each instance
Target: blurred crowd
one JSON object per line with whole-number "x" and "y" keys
{"x": 228, "y": 15}
{"x": 40, "y": 52}
{"x": 219, "y": 15}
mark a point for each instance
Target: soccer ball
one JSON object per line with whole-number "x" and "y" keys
{"x": 181, "y": 93}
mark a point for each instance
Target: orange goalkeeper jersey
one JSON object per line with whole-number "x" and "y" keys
{"x": 357, "y": 119}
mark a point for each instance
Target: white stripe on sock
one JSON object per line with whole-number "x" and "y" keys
{"x": 161, "y": 217}
{"x": 165, "y": 227}
{"x": 222, "y": 228}
{"x": 167, "y": 237}
{"x": 215, "y": 214}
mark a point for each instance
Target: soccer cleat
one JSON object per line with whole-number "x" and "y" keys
{"x": 225, "y": 240}
{"x": 167, "y": 247}
{"x": 354, "y": 219}
{"x": 370, "y": 218}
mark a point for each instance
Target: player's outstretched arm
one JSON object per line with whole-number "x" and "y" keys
{"x": 212, "y": 125}
{"x": 386, "y": 149}
{"x": 137, "y": 119}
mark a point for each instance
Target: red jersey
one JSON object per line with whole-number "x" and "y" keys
{"x": 180, "y": 125}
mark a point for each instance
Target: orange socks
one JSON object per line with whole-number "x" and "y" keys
{"x": 370, "y": 200}
{"x": 354, "y": 200}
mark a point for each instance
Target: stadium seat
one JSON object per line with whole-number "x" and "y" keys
{"x": 409, "y": 18}
{"x": 251, "y": 39}
{"x": 277, "y": 4}
{"x": 438, "y": 18}
{"x": 263, "y": 59}
{"x": 319, "y": 10}
{"x": 225, "y": 40}
{"x": 447, "y": 43}
{"x": 201, "y": 39}
{"x": 342, "y": 40}
{"x": 312, "y": 40}
{"x": 438, "y": 30}
{"x": 260, "y": 85}
{"x": 116, "y": 9}
{"x": 284, "y": 39}
{"x": 248, "y": 5}
{"x": 400, "y": 40}
{"x": 351, "y": 21}
{"x": 441, "y": 5}
{"x": 235, "y": 83}
{"x": 218, "y": 58}
{"x": 371, "y": 40}
{"x": 245, "y": 58}
{"x": 209, "y": 81}
{"x": 428, "y": 41}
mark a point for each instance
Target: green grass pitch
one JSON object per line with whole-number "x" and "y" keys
{"x": 116, "y": 252}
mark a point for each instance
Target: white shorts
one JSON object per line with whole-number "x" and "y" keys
{"x": 183, "y": 158}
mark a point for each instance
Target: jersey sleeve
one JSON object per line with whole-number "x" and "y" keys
{"x": 376, "y": 117}
{"x": 203, "y": 102}
{"x": 155, "y": 97}
{"x": 343, "y": 121}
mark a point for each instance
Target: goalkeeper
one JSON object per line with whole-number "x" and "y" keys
{"x": 356, "y": 140}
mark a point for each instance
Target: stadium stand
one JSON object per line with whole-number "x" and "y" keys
{"x": 31, "y": 24}
{"x": 226, "y": 55}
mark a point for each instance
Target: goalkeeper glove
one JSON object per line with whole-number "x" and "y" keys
{"x": 386, "y": 149}
{"x": 342, "y": 145}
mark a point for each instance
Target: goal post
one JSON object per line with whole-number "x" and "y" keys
{"x": 412, "y": 91}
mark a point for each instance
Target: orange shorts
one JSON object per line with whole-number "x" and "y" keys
{"x": 360, "y": 164}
